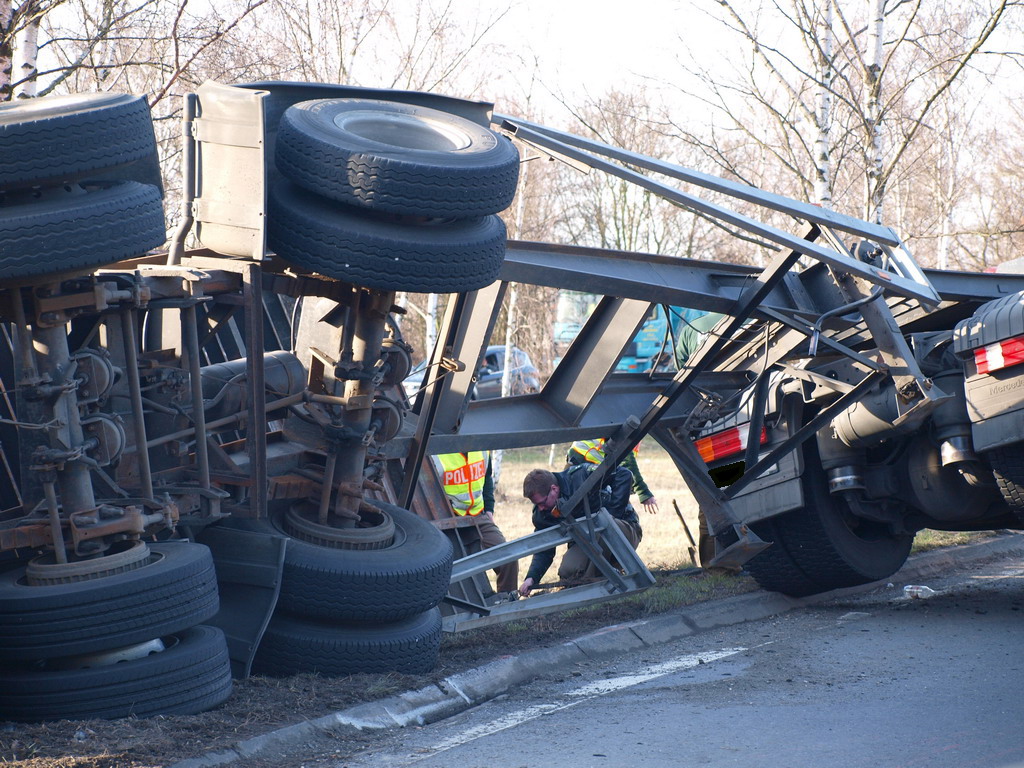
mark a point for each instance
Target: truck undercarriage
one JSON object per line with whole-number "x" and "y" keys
{"x": 240, "y": 403}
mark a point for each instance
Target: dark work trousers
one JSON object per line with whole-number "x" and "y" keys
{"x": 576, "y": 565}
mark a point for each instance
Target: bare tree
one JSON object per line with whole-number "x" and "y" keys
{"x": 147, "y": 46}
{"x": 429, "y": 45}
{"x": 886, "y": 66}
{"x": 20, "y": 21}
{"x": 597, "y": 209}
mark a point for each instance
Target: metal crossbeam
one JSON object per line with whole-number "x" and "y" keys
{"x": 907, "y": 280}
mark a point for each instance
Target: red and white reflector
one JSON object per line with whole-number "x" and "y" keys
{"x": 727, "y": 443}
{"x": 1002, "y": 354}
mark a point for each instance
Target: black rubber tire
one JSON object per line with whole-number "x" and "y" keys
{"x": 292, "y": 645}
{"x": 176, "y": 590}
{"x": 822, "y": 546}
{"x": 191, "y": 676}
{"x": 397, "y": 158}
{"x": 381, "y": 251}
{"x": 1008, "y": 467}
{"x": 371, "y": 585}
{"x": 63, "y": 138}
{"x": 79, "y": 229}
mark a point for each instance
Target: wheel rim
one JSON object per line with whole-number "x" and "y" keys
{"x": 403, "y": 131}
{"x": 375, "y": 530}
{"x": 45, "y": 571}
{"x": 113, "y": 656}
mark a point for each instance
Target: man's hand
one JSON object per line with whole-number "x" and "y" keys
{"x": 526, "y": 586}
{"x": 651, "y": 505}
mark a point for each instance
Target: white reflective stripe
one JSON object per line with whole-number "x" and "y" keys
{"x": 1003, "y": 354}
{"x": 463, "y": 477}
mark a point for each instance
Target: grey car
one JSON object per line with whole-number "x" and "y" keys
{"x": 525, "y": 378}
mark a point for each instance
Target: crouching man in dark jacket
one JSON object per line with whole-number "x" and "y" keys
{"x": 545, "y": 489}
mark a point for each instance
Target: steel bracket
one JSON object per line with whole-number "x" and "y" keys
{"x": 631, "y": 575}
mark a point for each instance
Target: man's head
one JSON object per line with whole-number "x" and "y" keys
{"x": 541, "y": 487}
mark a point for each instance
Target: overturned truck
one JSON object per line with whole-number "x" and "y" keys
{"x": 210, "y": 468}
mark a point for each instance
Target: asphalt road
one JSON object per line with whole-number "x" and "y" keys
{"x": 871, "y": 680}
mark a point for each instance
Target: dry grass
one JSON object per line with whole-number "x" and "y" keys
{"x": 928, "y": 539}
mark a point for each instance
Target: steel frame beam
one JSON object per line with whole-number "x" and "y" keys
{"x": 904, "y": 279}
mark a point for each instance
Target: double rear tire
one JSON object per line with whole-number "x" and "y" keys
{"x": 191, "y": 675}
{"x": 407, "y": 577}
{"x": 822, "y": 546}
{"x": 1008, "y": 469}
{"x": 58, "y": 139}
{"x": 174, "y": 590}
{"x": 62, "y": 645}
{"x": 343, "y": 611}
{"x": 59, "y": 210}
{"x": 390, "y": 196}
{"x": 380, "y": 250}
{"x": 77, "y": 227}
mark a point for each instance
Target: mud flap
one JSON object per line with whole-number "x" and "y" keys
{"x": 747, "y": 545}
{"x": 248, "y": 567}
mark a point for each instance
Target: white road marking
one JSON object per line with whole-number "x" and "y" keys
{"x": 582, "y": 694}
{"x": 602, "y": 687}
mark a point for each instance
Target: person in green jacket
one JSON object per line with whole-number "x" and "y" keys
{"x": 695, "y": 326}
{"x": 592, "y": 452}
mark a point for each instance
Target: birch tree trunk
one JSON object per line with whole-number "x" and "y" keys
{"x": 27, "y": 87}
{"x": 430, "y": 332}
{"x": 6, "y": 47}
{"x": 823, "y": 111}
{"x": 875, "y": 192}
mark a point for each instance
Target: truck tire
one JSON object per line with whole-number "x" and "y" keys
{"x": 191, "y": 675}
{"x": 1008, "y": 468}
{"x": 397, "y": 158}
{"x": 372, "y": 585}
{"x": 292, "y": 645}
{"x": 381, "y": 251}
{"x": 175, "y": 590}
{"x": 63, "y": 138}
{"x": 822, "y": 546}
{"x": 79, "y": 228}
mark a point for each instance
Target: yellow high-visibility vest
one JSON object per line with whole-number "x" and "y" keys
{"x": 462, "y": 475}
{"x": 593, "y": 450}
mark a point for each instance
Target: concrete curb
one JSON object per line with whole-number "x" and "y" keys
{"x": 459, "y": 692}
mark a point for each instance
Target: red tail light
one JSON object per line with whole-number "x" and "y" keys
{"x": 1002, "y": 354}
{"x": 727, "y": 443}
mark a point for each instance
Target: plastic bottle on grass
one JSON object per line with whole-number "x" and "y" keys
{"x": 918, "y": 591}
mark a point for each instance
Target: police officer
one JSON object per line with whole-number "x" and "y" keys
{"x": 468, "y": 483}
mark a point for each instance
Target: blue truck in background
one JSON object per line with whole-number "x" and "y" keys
{"x": 656, "y": 335}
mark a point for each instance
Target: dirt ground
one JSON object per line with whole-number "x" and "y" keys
{"x": 261, "y": 704}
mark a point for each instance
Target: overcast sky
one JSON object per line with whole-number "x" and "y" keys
{"x": 594, "y": 45}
